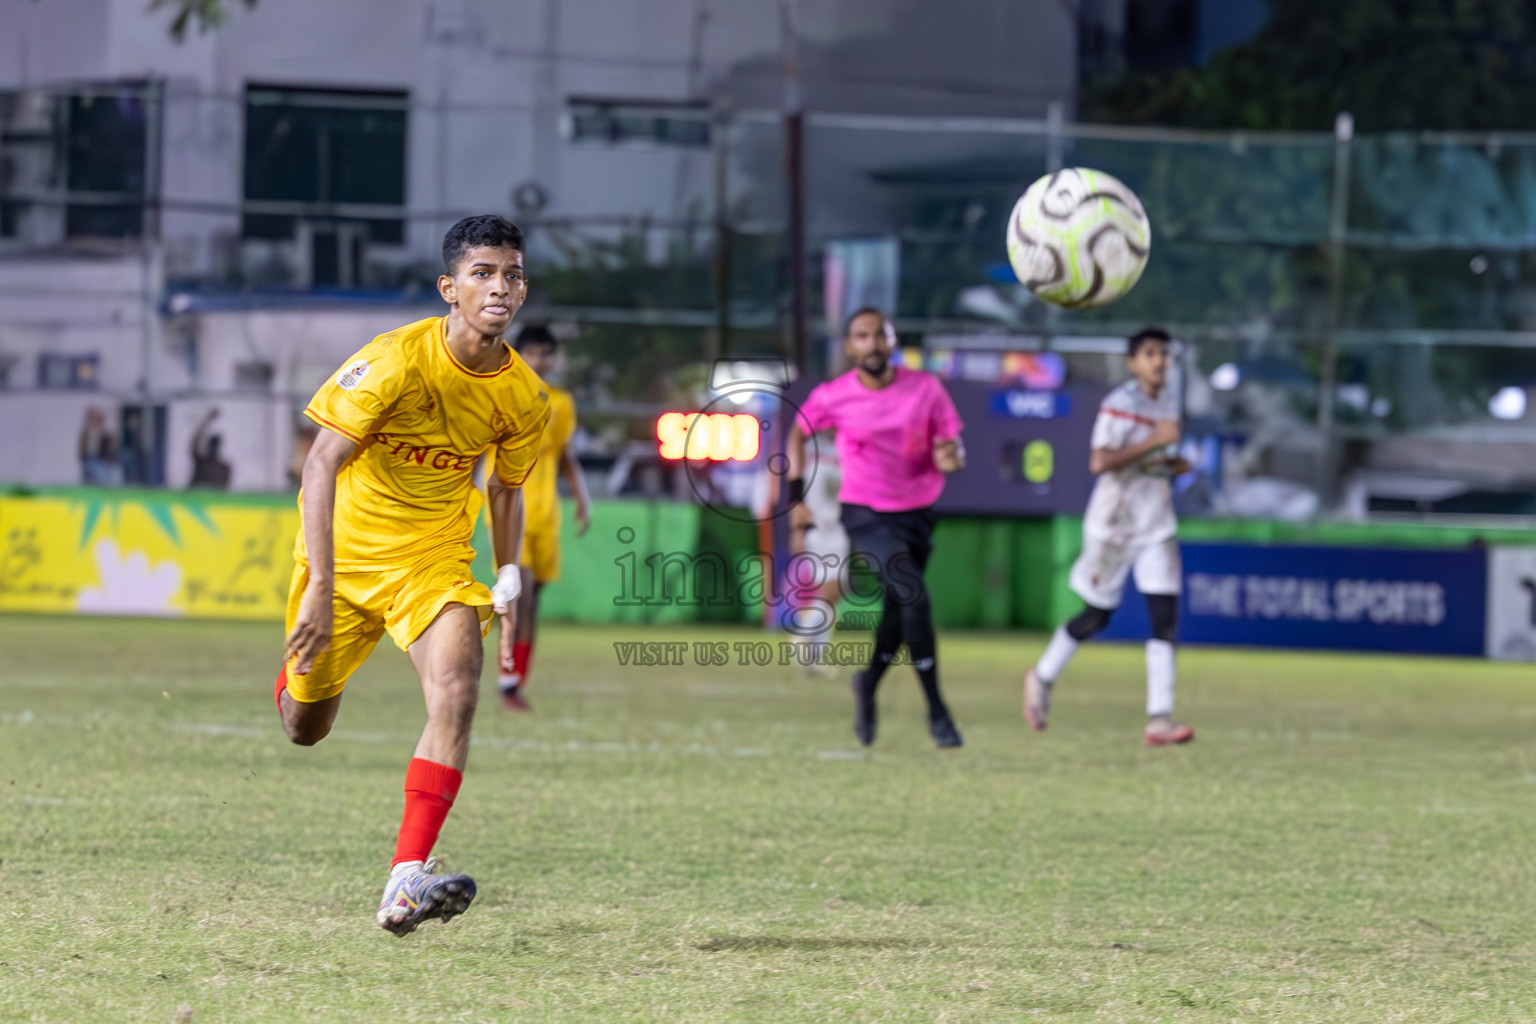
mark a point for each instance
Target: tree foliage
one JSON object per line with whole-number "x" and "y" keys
{"x": 209, "y": 14}
{"x": 1394, "y": 64}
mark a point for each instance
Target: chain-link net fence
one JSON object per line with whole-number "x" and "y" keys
{"x": 1347, "y": 302}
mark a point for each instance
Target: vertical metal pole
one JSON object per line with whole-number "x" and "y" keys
{"x": 154, "y": 99}
{"x": 152, "y": 281}
{"x": 794, "y": 132}
{"x": 1054, "y": 124}
{"x": 720, "y": 127}
{"x": 794, "y": 135}
{"x": 1328, "y": 376}
{"x": 1055, "y": 120}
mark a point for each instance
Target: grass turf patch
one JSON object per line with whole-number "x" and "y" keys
{"x": 1348, "y": 839}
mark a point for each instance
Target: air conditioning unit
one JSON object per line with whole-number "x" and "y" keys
{"x": 321, "y": 254}
{"x": 336, "y": 251}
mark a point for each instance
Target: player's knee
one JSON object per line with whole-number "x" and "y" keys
{"x": 1163, "y": 610}
{"x": 1088, "y": 623}
{"x": 305, "y": 733}
{"x": 455, "y": 695}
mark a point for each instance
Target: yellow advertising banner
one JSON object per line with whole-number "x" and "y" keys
{"x": 146, "y": 554}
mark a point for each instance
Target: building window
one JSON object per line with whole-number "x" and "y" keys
{"x": 332, "y": 158}
{"x": 106, "y": 136}
{"x": 616, "y": 123}
{"x": 78, "y": 162}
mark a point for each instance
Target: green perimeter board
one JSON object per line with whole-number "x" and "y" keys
{"x": 610, "y": 575}
{"x": 990, "y": 573}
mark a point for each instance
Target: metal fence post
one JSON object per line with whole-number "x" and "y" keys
{"x": 720, "y": 128}
{"x": 794, "y": 140}
{"x": 1328, "y": 382}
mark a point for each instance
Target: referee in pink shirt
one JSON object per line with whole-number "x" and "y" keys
{"x": 897, "y": 435}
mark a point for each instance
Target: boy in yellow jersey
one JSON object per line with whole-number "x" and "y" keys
{"x": 541, "y": 515}
{"x": 388, "y": 506}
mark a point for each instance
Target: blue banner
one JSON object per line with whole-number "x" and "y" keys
{"x": 1030, "y": 405}
{"x": 1406, "y": 600}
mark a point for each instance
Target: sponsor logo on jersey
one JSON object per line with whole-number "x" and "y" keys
{"x": 350, "y": 377}
{"x": 403, "y": 452}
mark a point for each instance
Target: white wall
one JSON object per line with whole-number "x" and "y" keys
{"x": 489, "y": 83}
{"x": 504, "y": 72}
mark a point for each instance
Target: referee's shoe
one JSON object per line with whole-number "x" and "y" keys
{"x": 942, "y": 728}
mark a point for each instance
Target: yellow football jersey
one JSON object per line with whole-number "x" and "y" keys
{"x": 541, "y": 494}
{"x": 421, "y": 421}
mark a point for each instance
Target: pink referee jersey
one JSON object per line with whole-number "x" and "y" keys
{"x": 885, "y": 437}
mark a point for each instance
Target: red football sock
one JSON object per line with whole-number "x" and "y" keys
{"x": 282, "y": 684}
{"x": 429, "y": 791}
{"x": 522, "y": 654}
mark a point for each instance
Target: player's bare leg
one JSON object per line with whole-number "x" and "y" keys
{"x": 448, "y": 658}
{"x": 517, "y": 656}
{"x": 307, "y": 723}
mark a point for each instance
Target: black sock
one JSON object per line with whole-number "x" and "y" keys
{"x": 917, "y": 627}
{"x": 887, "y": 644}
{"x": 928, "y": 676}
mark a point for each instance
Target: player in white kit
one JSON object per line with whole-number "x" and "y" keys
{"x": 825, "y": 538}
{"x": 1129, "y": 527}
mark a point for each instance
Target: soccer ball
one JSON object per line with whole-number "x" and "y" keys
{"x": 1079, "y": 238}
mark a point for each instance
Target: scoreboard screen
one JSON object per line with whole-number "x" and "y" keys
{"x": 717, "y": 437}
{"x": 1026, "y": 451}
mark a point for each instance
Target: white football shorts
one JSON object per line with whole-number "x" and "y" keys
{"x": 1099, "y": 574}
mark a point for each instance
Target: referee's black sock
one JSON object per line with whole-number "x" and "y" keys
{"x": 928, "y": 676}
{"x": 875, "y": 670}
{"x": 923, "y": 647}
{"x": 887, "y": 644}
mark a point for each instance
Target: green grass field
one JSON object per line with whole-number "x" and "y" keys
{"x": 1349, "y": 839}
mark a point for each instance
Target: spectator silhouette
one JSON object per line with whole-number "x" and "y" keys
{"x": 208, "y": 469}
{"x": 98, "y": 451}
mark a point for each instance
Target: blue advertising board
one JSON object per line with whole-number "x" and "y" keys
{"x": 1366, "y": 599}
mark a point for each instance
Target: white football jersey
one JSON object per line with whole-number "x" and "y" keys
{"x": 1132, "y": 506}
{"x": 821, "y": 495}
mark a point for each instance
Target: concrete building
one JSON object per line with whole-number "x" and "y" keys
{"x": 196, "y": 223}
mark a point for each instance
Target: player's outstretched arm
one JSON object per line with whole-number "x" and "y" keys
{"x": 506, "y": 544}
{"x": 311, "y": 633}
{"x": 1108, "y": 460}
{"x": 570, "y": 468}
{"x": 506, "y": 541}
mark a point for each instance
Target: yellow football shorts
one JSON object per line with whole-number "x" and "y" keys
{"x": 367, "y": 605}
{"x": 541, "y": 553}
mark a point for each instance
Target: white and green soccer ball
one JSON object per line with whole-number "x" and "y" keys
{"x": 1079, "y": 238}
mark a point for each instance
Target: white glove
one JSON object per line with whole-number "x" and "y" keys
{"x": 509, "y": 583}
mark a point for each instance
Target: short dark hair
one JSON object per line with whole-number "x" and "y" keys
{"x": 1141, "y": 337}
{"x": 535, "y": 334}
{"x": 486, "y": 230}
{"x": 863, "y": 311}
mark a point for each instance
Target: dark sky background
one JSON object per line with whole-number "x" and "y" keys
{"x": 1225, "y": 23}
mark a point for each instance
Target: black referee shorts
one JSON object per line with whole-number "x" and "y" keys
{"x": 898, "y": 543}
